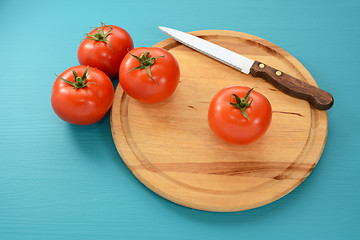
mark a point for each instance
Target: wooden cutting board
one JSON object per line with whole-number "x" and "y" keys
{"x": 170, "y": 148}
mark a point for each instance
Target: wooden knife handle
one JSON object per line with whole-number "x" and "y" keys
{"x": 292, "y": 86}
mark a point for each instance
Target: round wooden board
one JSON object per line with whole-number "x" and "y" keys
{"x": 170, "y": 148}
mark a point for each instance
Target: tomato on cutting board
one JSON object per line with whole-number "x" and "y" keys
{"x": 82, "y": 95}
{"x": 104, "y": 48}
{"x": 150, "y": 75}
{"x": 239, "y": 115}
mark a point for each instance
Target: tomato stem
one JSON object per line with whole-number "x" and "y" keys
{"x": 100, "y": 35}
{"x": 145, "y": 63}
{"x": 242, "y": 103}
{"x": 80, "y": 82}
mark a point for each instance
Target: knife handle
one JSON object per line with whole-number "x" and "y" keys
{"x": 292, "y": 86}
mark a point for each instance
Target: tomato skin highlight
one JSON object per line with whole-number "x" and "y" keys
{"x": 229, "y": 124}
{"x": 138, "y": 84}
{"x": 98, "y": 54}
{"x": 82, "y": 106}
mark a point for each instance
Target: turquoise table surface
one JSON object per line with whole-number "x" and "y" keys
{"x": 60, "y": 181}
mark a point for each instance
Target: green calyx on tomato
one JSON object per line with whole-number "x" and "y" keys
{"x": 80, "y": 82}
{"x": 100, "y": 36}
{"x": 145, "y": 62}
{"x": 243, "y": 103}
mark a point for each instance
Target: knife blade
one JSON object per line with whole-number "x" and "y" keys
{"x": 288, "y": 84}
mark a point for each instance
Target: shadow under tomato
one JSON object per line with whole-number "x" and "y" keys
{"x": 95, "y": 141}
{"x": 115, "y": 82}
{"x": 92, "y": 140}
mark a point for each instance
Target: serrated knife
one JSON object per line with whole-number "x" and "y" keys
{"x": 288, "y": 84}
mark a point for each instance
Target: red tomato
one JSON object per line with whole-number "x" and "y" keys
{"x": 82, "y": 95}
{"x": 149, "y": 75}
{"x": 104, "y": 48}
{"x": 233, "y": 125}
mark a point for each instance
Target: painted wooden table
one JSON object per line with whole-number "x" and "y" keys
{"x": 60, "y": 181}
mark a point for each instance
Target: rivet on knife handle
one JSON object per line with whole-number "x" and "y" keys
{"x": 292, "y": 86}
